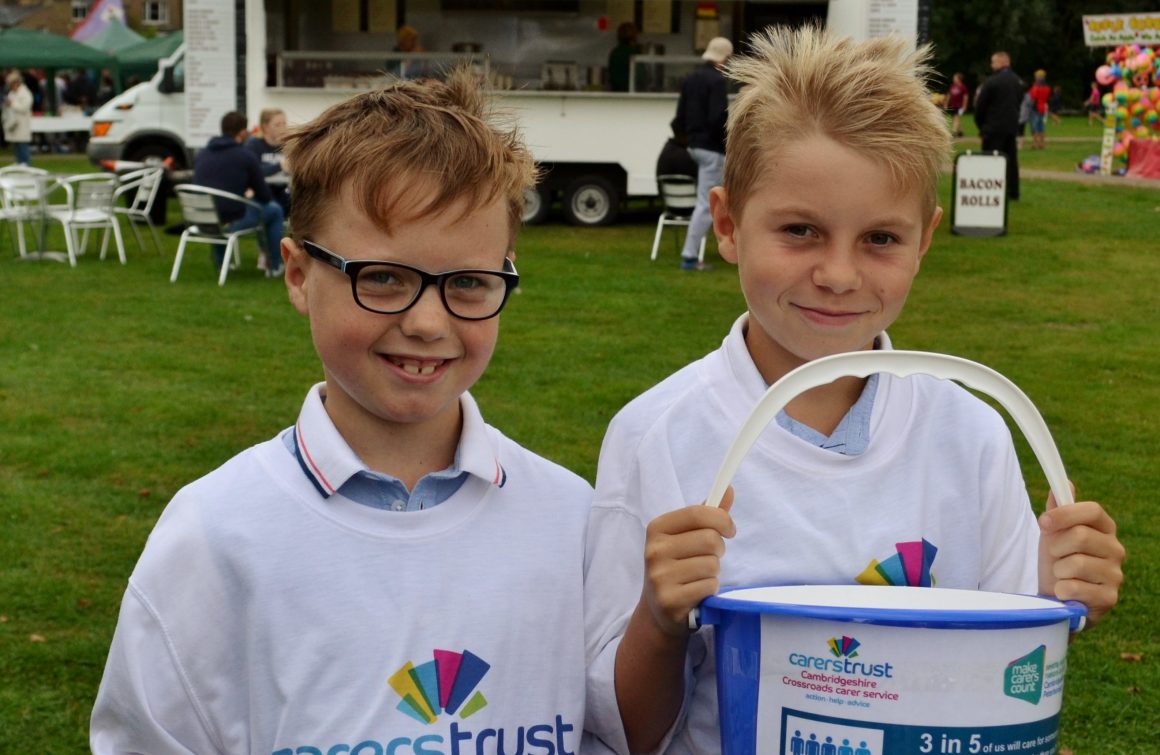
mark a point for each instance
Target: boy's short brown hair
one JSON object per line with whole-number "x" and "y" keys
{"x": 408, "y": 150}
{"x": 871, "y": 96}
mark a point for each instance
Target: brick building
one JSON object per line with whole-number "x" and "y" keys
{"x": 62, "y": 16}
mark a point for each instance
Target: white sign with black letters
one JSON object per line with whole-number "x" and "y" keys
{"x": 979, "y": 207}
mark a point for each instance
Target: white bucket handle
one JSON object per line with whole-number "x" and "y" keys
{"x": 901, "y": 363}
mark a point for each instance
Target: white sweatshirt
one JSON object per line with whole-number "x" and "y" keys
{"x": 266, "y": 618}
{"x": 940, "y": 467}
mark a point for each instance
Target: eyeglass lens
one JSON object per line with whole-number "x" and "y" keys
{"x": 389, "y": 288}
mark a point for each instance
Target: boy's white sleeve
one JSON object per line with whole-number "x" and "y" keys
{"x": 144, "y": 704}
{"x": 614, "y": 571}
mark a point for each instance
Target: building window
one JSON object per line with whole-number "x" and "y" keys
{"x": 80, "y": 9}
{"x": 155, "y": 12}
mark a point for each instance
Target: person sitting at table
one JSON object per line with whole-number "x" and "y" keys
{"x": 267, "y": 147}
{"x": 226, "y": 165}
{"x": 18, "y": 118}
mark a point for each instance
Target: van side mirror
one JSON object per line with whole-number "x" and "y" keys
{"x": 168, "y": 83}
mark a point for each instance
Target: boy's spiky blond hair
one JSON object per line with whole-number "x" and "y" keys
{"x": 870, "y": 96}
{"x": 409, "y": 150}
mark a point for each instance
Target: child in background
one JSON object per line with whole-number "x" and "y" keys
{"x": 828, "y": 206}
{"x": 1040, "y": 94}
{"x": 1095, "y": 107}
{"x": 390, "y": 572}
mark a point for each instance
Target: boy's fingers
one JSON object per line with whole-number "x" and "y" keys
{"x": 1098, "y": 599}
{"x": 1087, "y": 513}
{"x": 702, "y": 542}
{"x": 1084, "y": 540}
{"x": 1083, "y": 567}
{"x": 691, "y": 518}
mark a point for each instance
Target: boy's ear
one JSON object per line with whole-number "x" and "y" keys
{"x": 928, "y": 233}
{"x": 295, "y": 262}
{"x": 723, "y": 225}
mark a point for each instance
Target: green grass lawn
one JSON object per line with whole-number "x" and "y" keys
{"x": 117, "y": 387}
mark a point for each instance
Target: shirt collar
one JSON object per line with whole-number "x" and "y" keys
{"x": 328, "y": 461}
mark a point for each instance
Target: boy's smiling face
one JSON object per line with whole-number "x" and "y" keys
{"x": 406, "y": 371}
{"x": 827, "y": 248}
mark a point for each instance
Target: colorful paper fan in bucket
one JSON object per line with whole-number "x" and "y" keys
{"x": 442, "y": 685}
{"x": 909, "y": 566}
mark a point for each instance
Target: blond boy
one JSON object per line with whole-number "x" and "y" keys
{"x": 390, "y": 574}
{"x": 828, "y": 207}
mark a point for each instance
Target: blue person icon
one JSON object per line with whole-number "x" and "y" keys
{"x": 845, "y": 748}
{"x": 862, "y": 749}
{"x": 797, "y": 745}
{"x": 829, "y": 748}
{"x": 813, "y": 747}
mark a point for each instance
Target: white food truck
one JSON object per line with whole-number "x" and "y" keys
{"x": 545, "y": 61}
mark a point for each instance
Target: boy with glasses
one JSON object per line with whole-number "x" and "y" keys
{"x": 389, "y": 574}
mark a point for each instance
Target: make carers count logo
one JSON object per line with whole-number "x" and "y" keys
{"x": 445, "y": 684}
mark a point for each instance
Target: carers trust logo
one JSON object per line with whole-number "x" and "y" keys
{"x": 846, "y": 647}
{"x": 448, "y": 683}
{"x": 909, "y": 565}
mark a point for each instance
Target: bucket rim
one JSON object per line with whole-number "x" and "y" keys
{"x": 1053, "y": 611}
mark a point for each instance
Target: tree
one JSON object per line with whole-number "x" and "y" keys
{"x": 1037, "y": 33}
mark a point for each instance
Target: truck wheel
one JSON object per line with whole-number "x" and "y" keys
{"x": 537, "y": 202}
{"x": 591, "y": 200}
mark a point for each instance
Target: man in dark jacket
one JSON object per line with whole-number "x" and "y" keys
{"x": 226, "y": 165}
{"x": 997, "y": 115}
{"x": 702, "y": 108}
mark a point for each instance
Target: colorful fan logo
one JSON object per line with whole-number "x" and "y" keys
{"x": 908, "y": 566}
{"x": 847, "y": 647}
{"x": 446, "y": 684}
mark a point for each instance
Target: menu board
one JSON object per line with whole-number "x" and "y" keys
{"x": 211, "y": 67}
{"x": 886, "y": 17}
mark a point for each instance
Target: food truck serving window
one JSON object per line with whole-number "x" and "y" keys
{"x": 557, "y": 6}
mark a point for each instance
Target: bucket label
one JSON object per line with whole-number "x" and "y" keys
{"x": 804, "y": 733}
{"x": 888, "y": 686}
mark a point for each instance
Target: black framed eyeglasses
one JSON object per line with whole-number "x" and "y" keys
{"x": 390, "y": 287}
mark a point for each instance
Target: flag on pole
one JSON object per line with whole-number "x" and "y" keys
{"x": 101, "y": 14}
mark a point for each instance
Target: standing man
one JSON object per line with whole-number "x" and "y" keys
{"x": 702, "y": 109}
{"x": 997, "y": 115}
{"x": 226, "y": 165}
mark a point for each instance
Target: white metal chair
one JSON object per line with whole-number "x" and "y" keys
{"x": 679, "y": 194}
{"x": 88, "y": 207}
{"x": 21, "y": 199}
{"x": 141, "y": 189}
{"x": 204, "y": 225}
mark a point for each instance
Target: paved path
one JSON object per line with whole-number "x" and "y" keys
{"x": 1074, "y": 176}
{"x": 1090, "y": 178}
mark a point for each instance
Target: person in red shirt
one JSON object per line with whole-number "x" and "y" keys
{"x": 1040, "y": 94}
{"x": 958, "y": 97}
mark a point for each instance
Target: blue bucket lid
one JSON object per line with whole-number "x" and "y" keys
{"x": 897, "y": 606}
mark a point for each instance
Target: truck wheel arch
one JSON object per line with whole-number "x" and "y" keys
{"x": 537, "y": 203}
{"x": 158, "y": 148}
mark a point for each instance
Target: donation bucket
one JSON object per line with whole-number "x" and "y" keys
{"x": 878, "y": 670}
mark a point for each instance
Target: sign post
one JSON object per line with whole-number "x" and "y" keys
{"x": 979, "y": 204}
